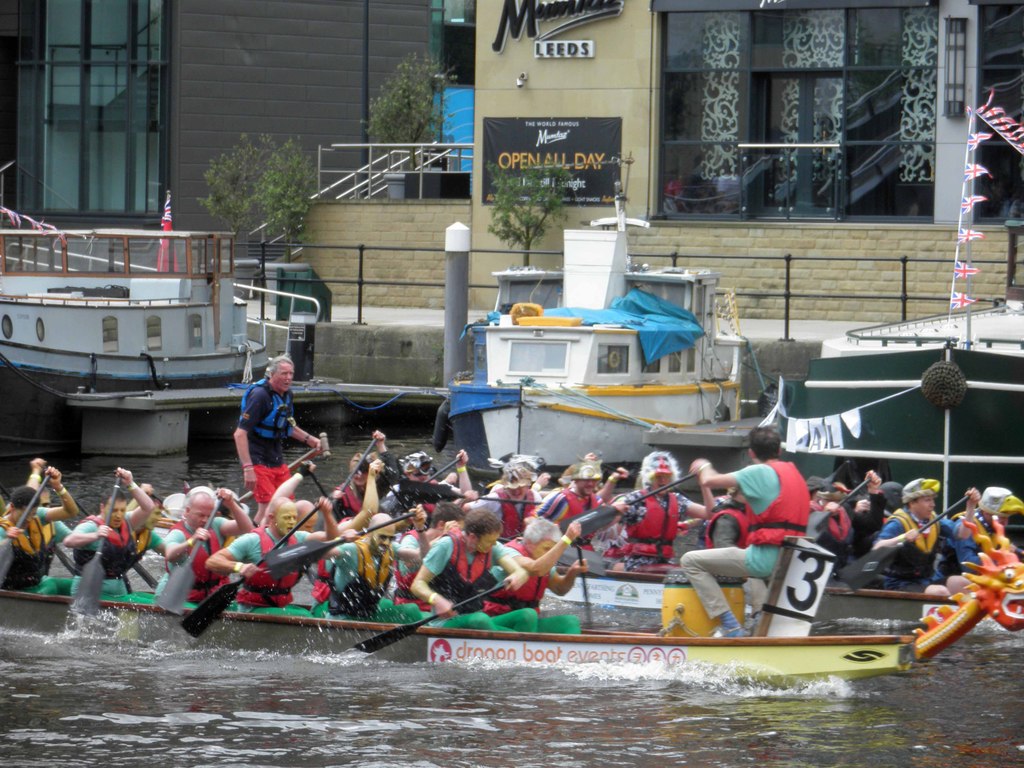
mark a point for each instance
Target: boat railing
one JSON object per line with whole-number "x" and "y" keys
{"x": 262, "y": 323}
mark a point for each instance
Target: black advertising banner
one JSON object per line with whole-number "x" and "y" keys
{"x": 589, "y": 147}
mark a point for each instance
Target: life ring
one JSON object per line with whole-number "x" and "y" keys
{"x": 442, "y": 426}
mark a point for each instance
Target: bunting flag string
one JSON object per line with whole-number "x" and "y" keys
{"x": 965, "y": 235}
{"x": 962, "y": 271}
{"x": 960, "y": 300}
{"x": 996, "y": 118}
{"x": 968, "y": 203}
{"x": 17, "y": 219}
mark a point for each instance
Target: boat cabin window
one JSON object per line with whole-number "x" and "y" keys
{"x": 154, "y": 335}
{"x": 200, "y": 265}
{"x": 32, "y": 254}
{"x": 95, "y": 254}
{"x": 613, "y": 358}
{"x": 546, "y": 357}
{"x": 157, "y": 256}
{"x": 226, "y": 262}
{"x": 110, "y": 334}
{"x": 195, "y": 331}
{"x": 8, "y": 326}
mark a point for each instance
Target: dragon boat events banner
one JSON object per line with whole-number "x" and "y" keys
{"x": 589, "y": 147}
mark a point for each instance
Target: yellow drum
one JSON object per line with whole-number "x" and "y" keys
{"x": 683, "y": 614}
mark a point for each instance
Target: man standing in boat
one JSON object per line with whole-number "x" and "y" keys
{"x": 651, "y": 524}
{"x": 779, "y": 502}
{"x": 267, "y": 418}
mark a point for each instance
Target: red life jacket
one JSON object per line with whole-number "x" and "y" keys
{"x": 461, "y": 580}
{"x": 742, "y": 517}
{"x": 261, "y": 590}
{"x": 403, "y": 582}
{"x": 348, "y": 504}
{"x": 574, "y": 505}
{"x": 527, "y": 596}
{"x": 787, "y": 514}
{"x": 117, "y": 551}
{"x": 206, "y": 581}
{"x": 512, "y": 515}
{"x": 322, "y": 585}
{"x": 653, "y": 535}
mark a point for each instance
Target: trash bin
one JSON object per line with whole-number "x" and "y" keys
{"x": 301, "y": 339}
{"x": 301, "y": 279}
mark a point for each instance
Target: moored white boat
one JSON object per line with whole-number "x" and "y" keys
{"x": 108, "y": 311}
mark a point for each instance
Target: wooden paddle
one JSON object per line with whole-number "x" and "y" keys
{"x": 183, "y": 578}
{"x": 443, "y": 470}
{"x": 217, "y": 602}
{"x": 586, "y": 590}
{"x": 402, "y": 631}
{"x": 297, "y": 557}
{"x": 348, "y": 480}
{"x": 7, "y": 545}
{"x": 90, "y": 584}
{"x": 870, "y": 566}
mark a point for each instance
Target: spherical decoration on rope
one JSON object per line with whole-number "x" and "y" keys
{"x": 944, "y": 384}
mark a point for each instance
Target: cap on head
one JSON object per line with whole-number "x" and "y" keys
{"x": 1000, "y": 501}
{"x": 919, "y": 488}
{"x": 586, "y": 470}
{"x": 516, "y": 474}
{"x": 418, "y": 460}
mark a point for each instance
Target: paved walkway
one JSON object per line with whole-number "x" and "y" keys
{"x": 800, "y": 330}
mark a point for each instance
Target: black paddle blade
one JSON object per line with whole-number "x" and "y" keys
{"x": 281, "y": 562}
{"x": 388, "y": 637}
{"x": 593, "y": 521}
{"x": 595, "y": 563}
{"x": 90, "y": 588}
{"x": 412, "y": 493}
{"x": 867, "y": 568}
{"x": 211, "y": 608}
{"x": 177, "y": 588}
{"x": 6, "y": 559}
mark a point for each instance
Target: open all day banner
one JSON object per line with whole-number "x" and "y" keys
{"x": 589, "y": 147}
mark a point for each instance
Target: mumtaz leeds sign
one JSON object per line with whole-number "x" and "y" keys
{"x": 557, "y": 16}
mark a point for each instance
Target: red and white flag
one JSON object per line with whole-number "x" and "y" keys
{"x": 966, "y": 235}
{"x": 962, "y": 270}
{"x": 960, "y": 300}
{"x": 163, "y": 259}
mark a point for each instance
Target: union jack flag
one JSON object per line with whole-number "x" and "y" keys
{"x": 973, "y": 171}
{"x": 966, "y": 235}
{"x": 969, "y": 202}
{"x": 976, "y": 138}
{"x": 166, "y": 222}
{"x": 962, "y": 270}
{"x": 960, "y": 300}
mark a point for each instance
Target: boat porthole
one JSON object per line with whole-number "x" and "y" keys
{"x": 40, "y": 329}
{"x": 8, "y": 326}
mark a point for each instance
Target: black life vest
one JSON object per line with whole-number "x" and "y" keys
{"x": 275, "y": 424}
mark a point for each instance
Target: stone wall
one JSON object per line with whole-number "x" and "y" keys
{"x": 842, "y": 260}
{"x": 404, "y": 242}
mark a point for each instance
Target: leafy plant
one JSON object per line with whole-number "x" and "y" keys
{"x": 231, "y": 179}
{"x": 259, "y": 182}
{"x": 410, "y": 107}
{"x": 526, "y": 203}
{"x": 285, "y": 190}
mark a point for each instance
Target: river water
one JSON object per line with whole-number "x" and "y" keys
{"x": 86, "y": 700}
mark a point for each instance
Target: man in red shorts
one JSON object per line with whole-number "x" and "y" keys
{"x": 267, "y": 418}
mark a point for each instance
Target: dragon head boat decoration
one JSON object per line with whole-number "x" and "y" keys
{"x": 996, "y": 590}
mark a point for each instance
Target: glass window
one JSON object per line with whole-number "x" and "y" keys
{"x": 613, "y": 358}
{"x": 110, "y": 334}
{"x": 876, "y": 37}
{"x": 706, "y": 41}
{"x": 157, "y": 255}
{"x": 544, "y": 357}
{"x": 32, "y": 254}
{"x": 95, "y": 255}
{"x": 154, "y": 335}
{"x": 96, "y": 87}
{"x": 882, "y": 179}
{"x": 798, "y": 39}
{"x": 199, "y": 258}
{"x": 226, "y": 263}
{"x": 675, "y": 362}
{"x": 195, "y": 331}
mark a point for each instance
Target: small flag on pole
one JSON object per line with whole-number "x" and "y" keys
{"x": 975, "y": 139}
{"x": 973, "y": 171}
{"x": 166, "y": 222}
{"x": 163, "y": 259}
{"x": 970, "y": 201}
{"x": 960, "y": 300}
{"x": 961, "y": 270}
{"x": 966, "y": 235}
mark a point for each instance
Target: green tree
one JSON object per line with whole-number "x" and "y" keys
{"x": 410, "y": 107}
{"x": 526, "y": 202}
{"x": 284, "y": 191}
{"x": 231, "y": 179}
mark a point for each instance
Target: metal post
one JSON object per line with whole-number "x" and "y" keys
{"x": 359, "y": 286}
{"x": 263, "y": 279}
{"x": 456, "y": 298}
{"x": 903, "y": 287}
{"x": 789, "y": 271}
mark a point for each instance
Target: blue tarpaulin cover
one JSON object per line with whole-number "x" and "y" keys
{"x": 663, "y": 327}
